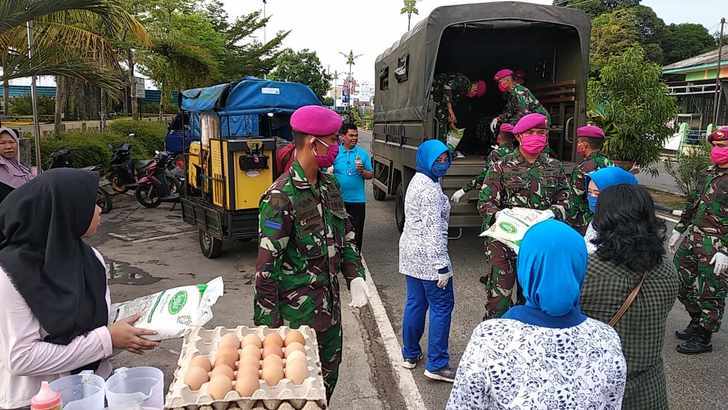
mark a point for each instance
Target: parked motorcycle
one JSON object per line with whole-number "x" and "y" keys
{"x": 124, "y": 170}
{"x": 62, "y": 159}
{"x": 162, "y": 181}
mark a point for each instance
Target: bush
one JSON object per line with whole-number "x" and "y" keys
{"x": 149, "y": 134}
{"x": 24, "y": 105}
{"x": 689, "y": 167}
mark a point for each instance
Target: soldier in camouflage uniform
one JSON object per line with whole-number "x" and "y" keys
{"x": 306, "y": 239}
{"x": 505, "y": 141}
{"x": 702, "y": 258}
{"x": 526, "y": 178}
{"x": 520, "y": 100}
{"x": 589, "y": 142}
{"x": 449, "y": 89}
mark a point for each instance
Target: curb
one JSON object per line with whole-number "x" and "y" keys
{"x": 406, "y": 383}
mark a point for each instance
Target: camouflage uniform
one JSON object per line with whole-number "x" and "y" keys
{"x": 580, "y": 215}
{"x": 494, "y": 156}
{"x": 513, "y": 182}
{"x": 519, "y": 102}
{"x": 306, "y": 239}
{"x": 705, "y": 223}
{"x": 447, "y": 88}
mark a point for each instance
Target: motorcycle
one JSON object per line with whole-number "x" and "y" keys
{"x": 62, "y": 159}
{"x": 162, "y": 181}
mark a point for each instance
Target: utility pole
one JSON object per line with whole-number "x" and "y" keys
{"x": 350, "y": 61}
{"x": 34, "y": 100}
{"x": 718, "y": 90}
{"x": 265, "y": 26}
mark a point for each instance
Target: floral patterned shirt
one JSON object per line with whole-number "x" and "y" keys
{"x": 512, "y": 365}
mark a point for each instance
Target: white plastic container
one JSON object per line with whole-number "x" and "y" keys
{"x": 83, "y": 391}
{"x": 135, "y": 388}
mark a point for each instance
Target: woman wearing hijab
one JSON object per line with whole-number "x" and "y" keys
{"x": 54, "y": 310}
{"x": 597, "y": 181}
{"x": 12, "y": 172}
{"x": 630, "y": 256}
{"x": 424, "y": 261}
{"x": 545, "y": 354}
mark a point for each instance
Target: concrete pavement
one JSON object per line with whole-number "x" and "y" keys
{"x": 152, "y": 249}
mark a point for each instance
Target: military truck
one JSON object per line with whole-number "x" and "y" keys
{"x": 551, "y": 44}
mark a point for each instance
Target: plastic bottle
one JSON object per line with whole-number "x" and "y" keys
{"x": 46, "y": 399}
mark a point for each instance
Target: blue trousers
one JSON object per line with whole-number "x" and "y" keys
{"x": 421, "y": 296}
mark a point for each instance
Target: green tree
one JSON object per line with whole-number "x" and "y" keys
{"x": 304, "y": 67}
{"x": 612, "y": 33}
{"x": 651, "y": 30}
{"x": 410, "y": 8}
{"x": 596, "y": 7}
{"x": 686, "y": 40}
{"x": 632, "y": 103}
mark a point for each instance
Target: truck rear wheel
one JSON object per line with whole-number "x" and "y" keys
{"x": 379, "y": 195}
{"x": 210, "y": 246}
{"x": 399, "y": 208}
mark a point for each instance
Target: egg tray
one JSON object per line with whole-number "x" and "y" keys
{"x": 310, "y": 395}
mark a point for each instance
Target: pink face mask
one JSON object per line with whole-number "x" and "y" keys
{"x": 502, "y": 87}
{"x": 325, "y": 161}
{"x": 719, "y": 155}
{"x": 533, "y": 144}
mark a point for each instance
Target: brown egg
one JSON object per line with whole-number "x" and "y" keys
{"x": 201, "y": 361}
{"x": 296, "y": 356}
{"x": 219, "y": 386}
{"x": 294, "y": 336}
{"x": 196, "y": 377}
{"x": 272, "y": 350}
{"x": 272, "y": 370}
{"x": 249, "y": 369}
{"x": 247, "y": 360}
{"x": 252, "y": 340}
{"x": 295, "y": 347}
{"x": 250, "y": 350}
{"x": 231, "y": 340}
{"x": 273, "y": 339}
{"x": 224, "y": 370}
{"x": 226, "y": 355}
{"x": 296, "y": 371}
{"x": 247, "y": 384}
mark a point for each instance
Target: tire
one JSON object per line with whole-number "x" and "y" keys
{"x": 399, "y": 209}
{"x": 210, "y": 246}
{"x": 103, "y": 200}
{"x": 148, "y": 195}
{"x": 379, "y": 195}
{"x": 117, "y": 185}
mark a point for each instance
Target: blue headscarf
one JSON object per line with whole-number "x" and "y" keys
{"x": 552, "y": 263}
{"x": 606, "y": 177}
{"x": 427, "y": 154}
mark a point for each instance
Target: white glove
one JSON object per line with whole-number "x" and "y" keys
{"x": 457, "y": 196}
{"x": 359, "y": 296}
{"x": 720, "y": 262}
{"x": 493, "y": 124}
{"x": 443, "y": 278}
{"x": 674, "y": 240}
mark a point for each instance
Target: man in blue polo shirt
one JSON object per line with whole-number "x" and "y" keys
{"x": 351, "y": 167}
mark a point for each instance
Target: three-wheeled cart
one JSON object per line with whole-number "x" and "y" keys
{"x": 235, "y": 130}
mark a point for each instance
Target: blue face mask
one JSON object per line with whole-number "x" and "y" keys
{"x": 439, "y": 169}
{"x": 592, "y": 200}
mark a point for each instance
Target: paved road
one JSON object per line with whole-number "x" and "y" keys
{"x": 694, "y": 382}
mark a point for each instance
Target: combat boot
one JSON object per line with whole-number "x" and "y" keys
{"x": 699, "y": 343}
{"x": 689, "y": 331}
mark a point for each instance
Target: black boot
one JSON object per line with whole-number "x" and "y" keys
{"x": 699, "y": 343}
{"x": 689, "y": 331}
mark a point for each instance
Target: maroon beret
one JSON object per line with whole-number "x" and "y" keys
{"x": 316, "y": 120}
{"x": 590, "y": 131}
{"x": 501, "y": 74}
{"x": 530, "y": 121}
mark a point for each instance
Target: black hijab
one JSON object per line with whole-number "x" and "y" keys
{"x": 41, "y": 251}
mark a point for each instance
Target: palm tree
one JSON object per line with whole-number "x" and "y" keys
{"x": 71, "y": 39}
{"x": 410, "y": 8}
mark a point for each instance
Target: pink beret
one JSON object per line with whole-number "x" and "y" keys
{"x": 480, "y": 88}
{"x": 530, "y": 121}
{"x": 316, "y": 120}
{"x": 590, "y": 131}
{"x": 503, "y": 74}
{"x": 721, "y": 134}
{"x": 506, "y": 128}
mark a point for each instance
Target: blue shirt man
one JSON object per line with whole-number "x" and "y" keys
{"x": 352, "y": 167}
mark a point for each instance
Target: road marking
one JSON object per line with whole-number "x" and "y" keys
{"x": 407, "y": 386}
{"x": 122, "y": 237}
{"x": 143, "y": 240}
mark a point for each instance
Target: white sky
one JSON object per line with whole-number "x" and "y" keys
{"x": 370, "y": 26}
